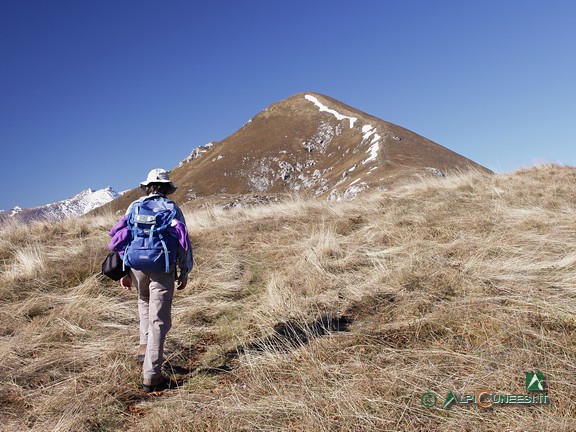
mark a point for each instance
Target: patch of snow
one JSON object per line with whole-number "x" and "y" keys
{"x": 373, "y": 150}
{"x": 336, "y": 114}
{"x": 348, "y": 171}
{"x": 367, "y": 131}
{"x": 14, "y": 211}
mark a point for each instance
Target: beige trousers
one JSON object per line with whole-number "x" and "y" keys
{"x": 155, "y": 294}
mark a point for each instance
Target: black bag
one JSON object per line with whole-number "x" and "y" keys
{"x": 112, "y": 267}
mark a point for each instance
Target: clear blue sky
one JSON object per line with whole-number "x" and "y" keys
{"x": 96, "y": 93}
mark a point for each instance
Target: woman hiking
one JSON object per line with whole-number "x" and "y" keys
{"x": 157, "y": 246}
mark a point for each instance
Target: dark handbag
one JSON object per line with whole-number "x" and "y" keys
{"x": 113, "y": 267}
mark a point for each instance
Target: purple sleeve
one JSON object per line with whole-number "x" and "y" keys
{"x": 120, "y": 240}
{"x": 122, "y": 223}
{"x": 181, "y": 233}
{"x": 184, "y": 257}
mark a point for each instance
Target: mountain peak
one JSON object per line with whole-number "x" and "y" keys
{"x": 85, "y": 192}
{"x": 79, "y": 204}
{"x": 313, "y": 144}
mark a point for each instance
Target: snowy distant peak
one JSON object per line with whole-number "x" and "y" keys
{"x": 88, "y": 200}
{"x": 15, "y": 211}
{"x": 78, "y": 205}
{"x": 85, "y": 192}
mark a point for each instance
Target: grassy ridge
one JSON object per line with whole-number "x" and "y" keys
{"x": 309, "y": 315}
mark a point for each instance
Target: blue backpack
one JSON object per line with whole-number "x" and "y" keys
{"x": 152, "y": 247}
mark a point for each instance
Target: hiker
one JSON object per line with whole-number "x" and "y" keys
{"x": 155, "y": 285}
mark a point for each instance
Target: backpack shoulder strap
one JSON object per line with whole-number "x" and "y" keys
{"x": 132, "y": 212}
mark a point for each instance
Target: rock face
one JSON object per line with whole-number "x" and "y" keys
{"x": 80, "y": 204}
{"x": 310, "y": 144}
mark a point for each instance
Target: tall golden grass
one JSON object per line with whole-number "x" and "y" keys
{"x": 310, "y": 316}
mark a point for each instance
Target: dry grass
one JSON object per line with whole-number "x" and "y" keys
{"x": 310, "y": 316}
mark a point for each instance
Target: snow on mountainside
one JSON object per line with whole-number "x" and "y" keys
{"x": 80, "y": 204}
{"x": 84, "y": 202}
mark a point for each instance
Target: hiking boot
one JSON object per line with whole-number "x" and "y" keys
{"x": 164, "y": 384}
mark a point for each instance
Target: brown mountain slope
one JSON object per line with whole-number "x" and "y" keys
{"x": 313, "y": 144}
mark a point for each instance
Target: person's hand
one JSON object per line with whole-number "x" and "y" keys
{"x": 126, "y": 282}
{"x": 181, "y": 284}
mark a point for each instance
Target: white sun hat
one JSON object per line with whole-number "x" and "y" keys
{"x": 159, "y": 175}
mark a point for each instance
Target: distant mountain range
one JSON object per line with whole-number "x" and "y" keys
{"x": 309, "y": 144}
{"x": 80, "y": 204}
